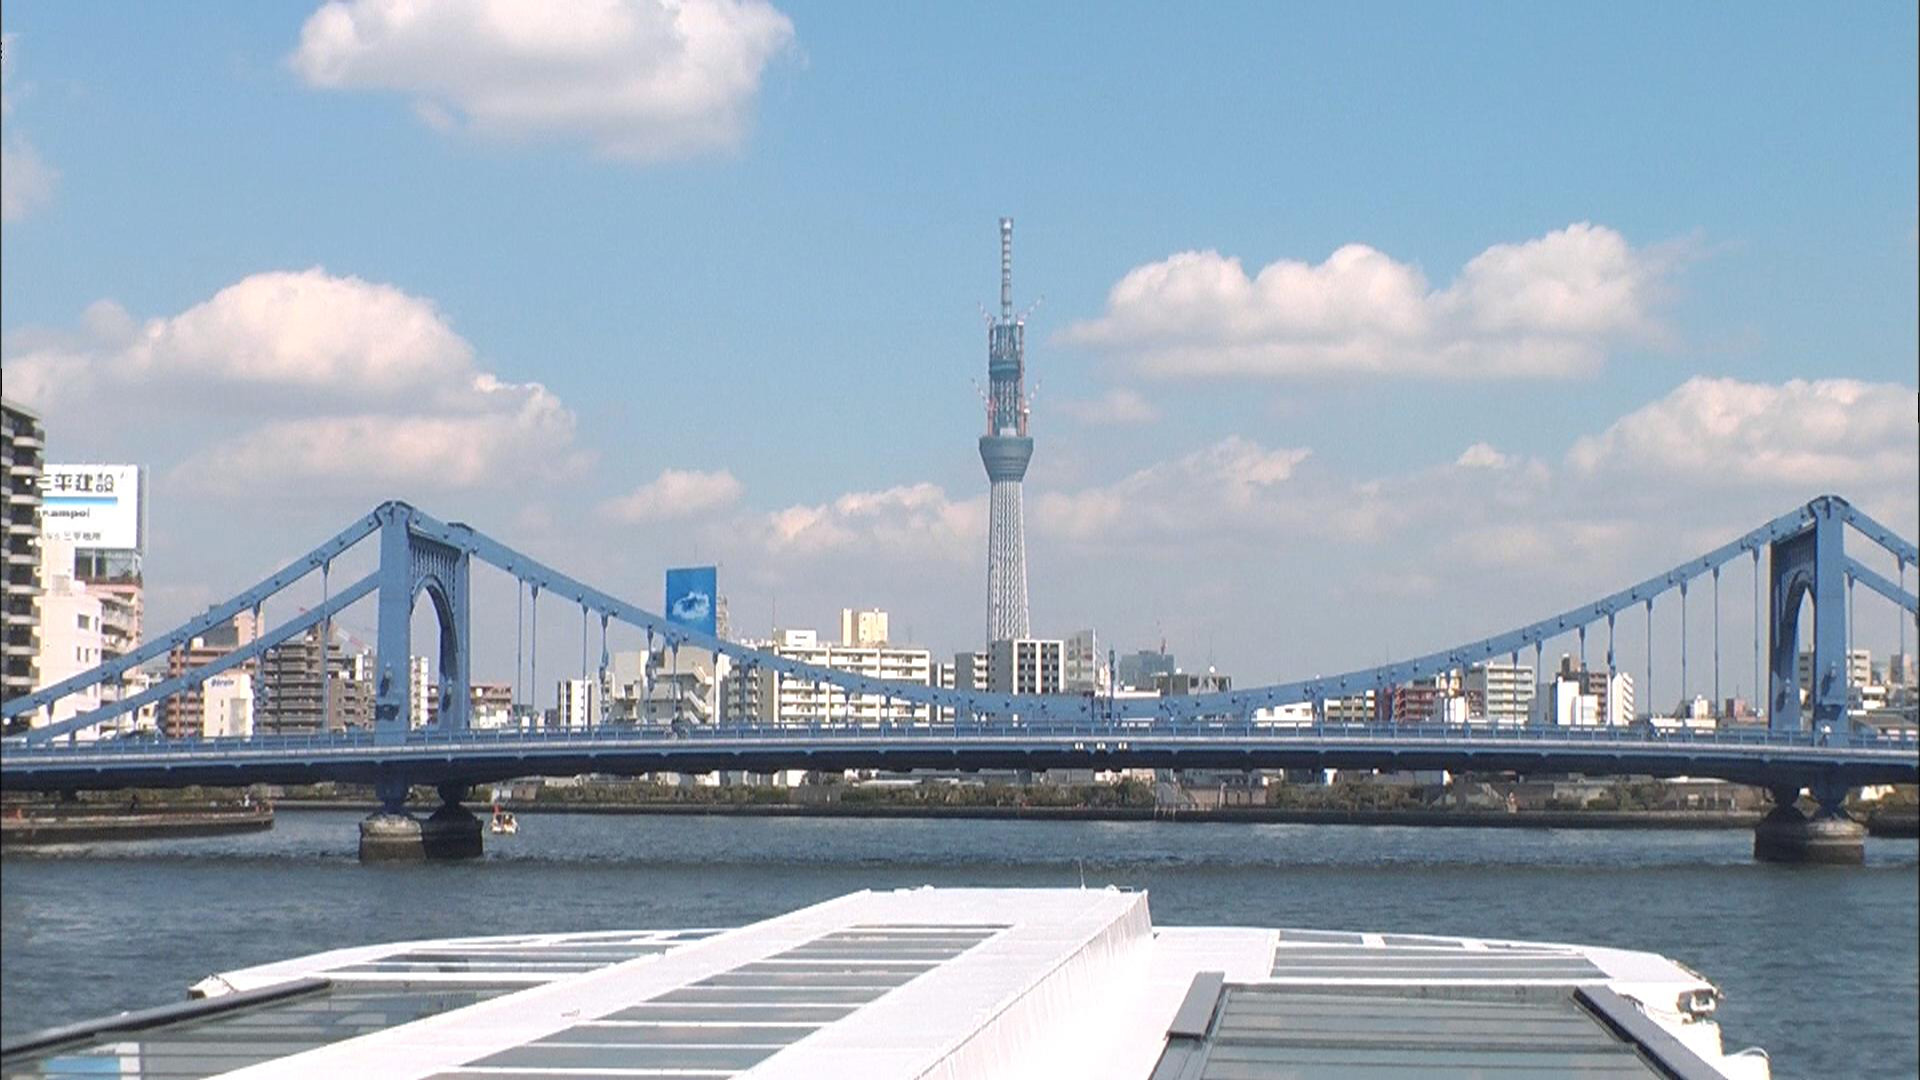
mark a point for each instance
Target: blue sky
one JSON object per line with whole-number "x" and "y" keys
{"x": 775, "y": 292}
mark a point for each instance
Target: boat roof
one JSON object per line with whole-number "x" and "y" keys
{"x": 949, "y": 982}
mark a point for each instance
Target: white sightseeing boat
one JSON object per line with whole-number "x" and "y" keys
{"x": 948, "y": 983}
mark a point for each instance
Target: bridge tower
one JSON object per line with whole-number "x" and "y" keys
{"x": 1811, "y": 564}
{"x": 1005, "y": 450}
{"x": 410, "y": 565}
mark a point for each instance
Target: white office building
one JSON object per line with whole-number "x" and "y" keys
{"x": 1500, "y": 693}
{"x": 1025, "y": 666}
{"x": 226, "y": 706}
{"x": 783, "y": 699}
{"x": 863, "y": 628}
{"x": 1083, "y": 670}
{"x": 576, "y": 704}
{"x": 423, "y": 694}
{"x": 70, "y": 635}
{"x": 1352, "y": 709}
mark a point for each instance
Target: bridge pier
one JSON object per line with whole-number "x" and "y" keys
{"x": 1786, "y": 835}
{"x": 391, "y": 834}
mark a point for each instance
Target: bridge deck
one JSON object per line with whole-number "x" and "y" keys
{"x": 1756, "y": 757}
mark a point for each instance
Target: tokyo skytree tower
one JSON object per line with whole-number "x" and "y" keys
{"x": 1005, "y": 450}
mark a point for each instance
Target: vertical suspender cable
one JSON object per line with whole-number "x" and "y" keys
{"x": 326, "y": 648}
{"x": 1649, "y": 656}
{"x": 1683, "y": 647}
{"x": 1716, "y": 639}
{"x": 1759, "y": 693}
{"x": 519, "y": 642}
{"x": 533, "y": 648}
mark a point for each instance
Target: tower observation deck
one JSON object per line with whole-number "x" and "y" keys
{"x": 1005, "y": 450}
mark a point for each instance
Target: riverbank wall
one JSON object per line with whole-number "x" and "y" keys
{"x": 42, "y": 826}
{"x": 1525, "y": 819}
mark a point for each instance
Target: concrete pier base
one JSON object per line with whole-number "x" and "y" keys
{"x": 453, "y": 832}
{"x": 1788, "y": 836}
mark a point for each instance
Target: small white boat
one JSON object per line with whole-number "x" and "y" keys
{"x": 503, "y": 823}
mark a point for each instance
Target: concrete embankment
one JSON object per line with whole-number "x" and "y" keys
{"x": 24, "y": 826}
{"x": 1468, "y": 819}
{"x": 1896, "y": 823}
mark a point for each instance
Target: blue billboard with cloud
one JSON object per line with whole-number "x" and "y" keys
{"x": 693, "y": 598}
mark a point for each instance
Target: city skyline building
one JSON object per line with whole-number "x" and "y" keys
{"x": 305, "y": 687}
{"x": 23, "y": 443}
{"x": 1005, "y": 450}
{"x": 70, "y": 629}
{"x": 863, "y": 627}
{"x": 186, "y": 711}
{"x": 1025, "y": 666}
{"x": 1082, "y": 669}
{"x": 770, "y": 697}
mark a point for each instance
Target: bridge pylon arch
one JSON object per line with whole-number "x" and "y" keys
{"x": 411, "y": 564}
{"x": 1810, "y": 564}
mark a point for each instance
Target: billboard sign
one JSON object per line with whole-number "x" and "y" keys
{"x": 92, "y": 506}
{"x": 692, "y": 598}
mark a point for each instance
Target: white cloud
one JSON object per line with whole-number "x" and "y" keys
{"x": 915, "y": 521}
{"x": 1118, "y": 407}
{"x": 1235, "y": 480}
{"x": 1829, "y": 434}
{"x": 26, "y": 181}
{"x": 675, "y": 493}
{"x": 1547, "y": 308}
{"x": 298, "y": 383}
{"x": 1483, "y": 456}
{"x": 645, "y": 80}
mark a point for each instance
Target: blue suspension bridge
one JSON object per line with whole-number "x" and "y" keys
{"x": 1809, "y": 745}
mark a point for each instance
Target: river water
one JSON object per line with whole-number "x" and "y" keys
{"x": 1820, "y": 965}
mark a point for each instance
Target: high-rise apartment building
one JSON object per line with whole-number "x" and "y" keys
{"x": 99, "y": 512}
{"x": 970, "y": 670}
{"x": 423, "y": 693}
{"x": 785, "y": 699}
{"x": 577, "y": 704}
{"x": 1005, "y": 450}
{"x": 1421, "y": 701}
{"x": 683, "y": 686}
{"x": 303, "y": 689}
{"x": 69, "y": 635}
{"x": 185, "y": 712}
{"x": 1352, "y": 709}
{"x": 1500, "y": 692}
{"x": 1579, "y": 696}
{"x": 863, "y": 627}
{"x": 1025, "y": 666}
{"x": 1083, "y": 670}
{"x": 23, "y": 444}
